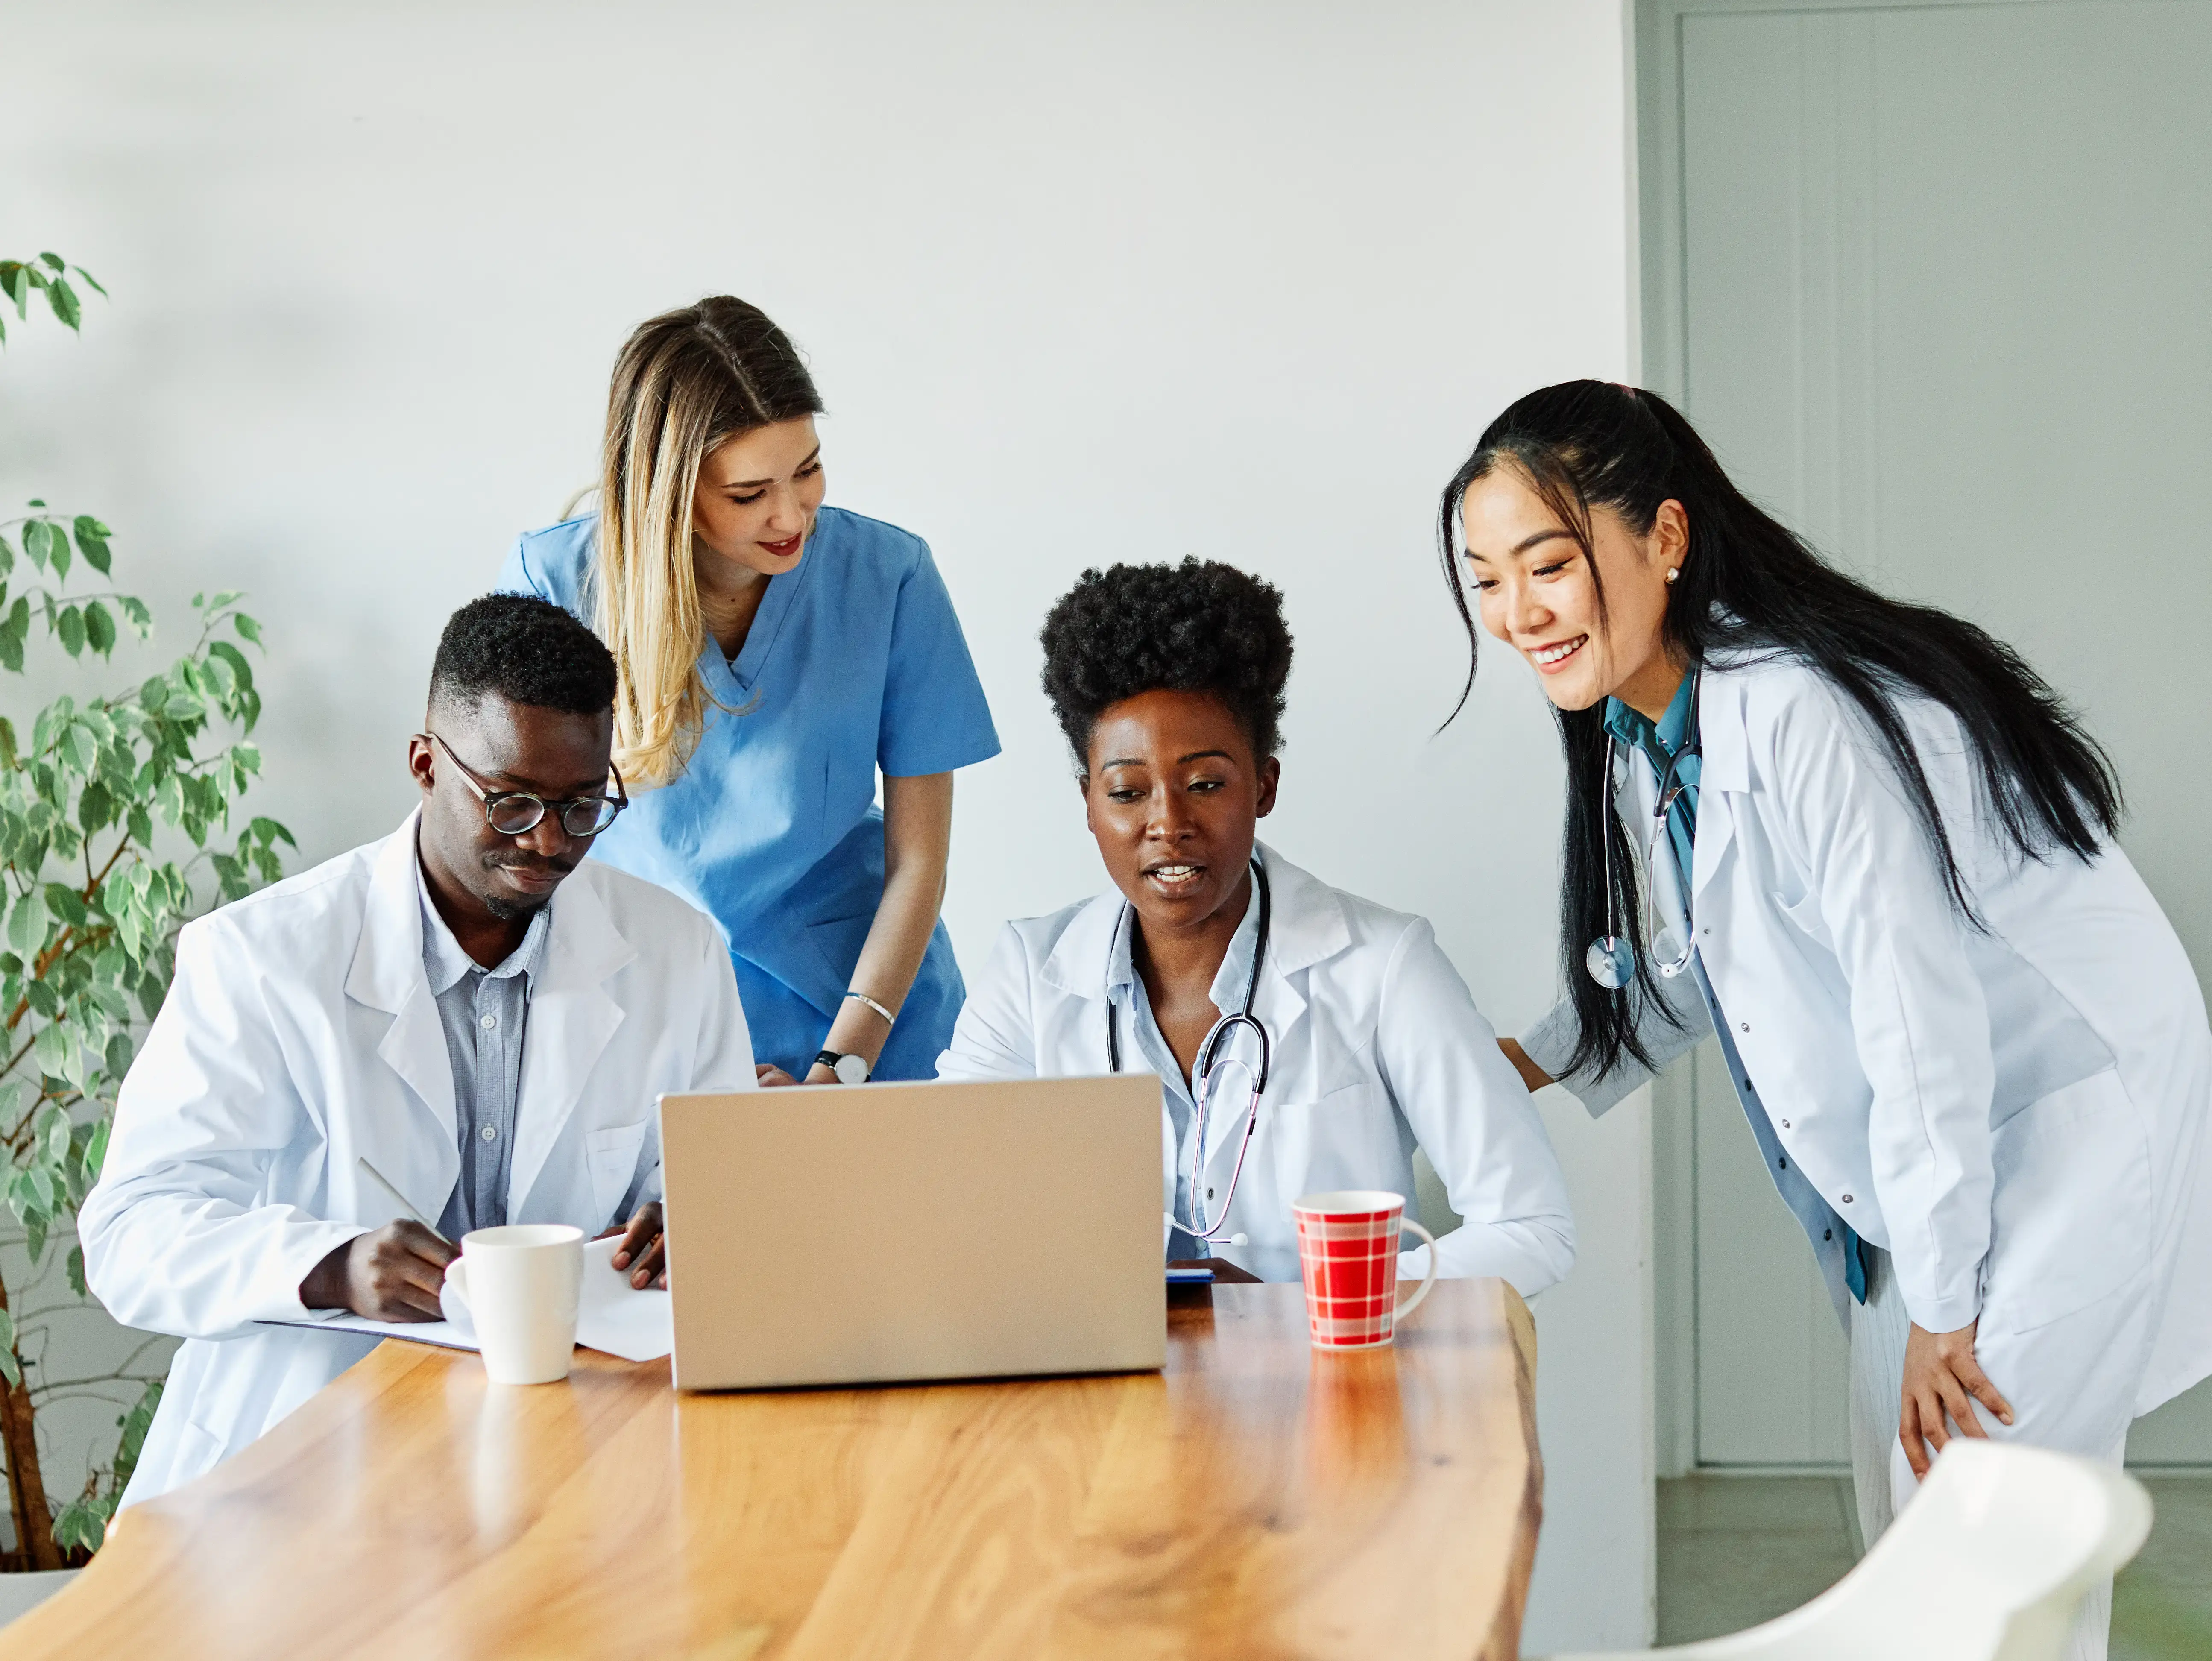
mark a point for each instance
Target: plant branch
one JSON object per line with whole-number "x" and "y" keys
{"x": 53, "y": 953}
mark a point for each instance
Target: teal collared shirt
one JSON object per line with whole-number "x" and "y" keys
{"x": 1661, "y": 743}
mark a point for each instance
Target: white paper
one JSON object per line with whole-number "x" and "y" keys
{"x": 611, "y": 1316}
{"x": 614, "y": 1317}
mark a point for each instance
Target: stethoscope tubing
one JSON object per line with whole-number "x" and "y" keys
{"x": 1209, "y": 1052}
{"x": 1693, "y": 745}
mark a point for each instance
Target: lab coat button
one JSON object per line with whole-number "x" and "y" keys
{"x": 1847, "y": 1199}
{"x": 1785, "y": 1124}
{"x": 1744, "y": 1027}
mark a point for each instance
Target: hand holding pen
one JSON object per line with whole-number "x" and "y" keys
{"x": 395, "y": 1272}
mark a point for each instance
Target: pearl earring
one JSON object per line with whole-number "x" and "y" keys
{"x": 1673, "y": 571}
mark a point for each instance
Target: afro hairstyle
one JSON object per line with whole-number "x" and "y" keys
{"x": 1200, "y": 626}
{"x": 526, "y": 650}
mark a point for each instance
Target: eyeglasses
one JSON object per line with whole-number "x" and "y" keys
{"x": 518, "y": 813}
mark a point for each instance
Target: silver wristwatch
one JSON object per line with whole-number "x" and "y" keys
{"x": 849, "y": 1069}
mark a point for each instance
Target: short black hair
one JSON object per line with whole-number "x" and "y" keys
{"x": 526, "y": 650}
{"x": 1200, "y": 626}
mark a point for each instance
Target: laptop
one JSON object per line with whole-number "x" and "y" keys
{"x": 844, "y": 1234}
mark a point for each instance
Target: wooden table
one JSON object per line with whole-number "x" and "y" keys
{"x": 1254, "y": 1500}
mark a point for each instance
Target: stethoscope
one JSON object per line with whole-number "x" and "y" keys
{"x": 1202, "y": 1073}
{"x": 1611, "y": 960}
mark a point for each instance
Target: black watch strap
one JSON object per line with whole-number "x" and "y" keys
{"x": 834, "y": 1062}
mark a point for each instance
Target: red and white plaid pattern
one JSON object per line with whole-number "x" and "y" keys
{"x": 1350, "y": 1260}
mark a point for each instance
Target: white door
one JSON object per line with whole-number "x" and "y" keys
{"x": 1936, "y": 282}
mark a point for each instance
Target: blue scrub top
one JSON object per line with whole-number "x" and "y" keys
{"x": 854, "y": 662}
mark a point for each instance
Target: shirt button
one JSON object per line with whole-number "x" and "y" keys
{"x": 490, "y": 1132}
{"x": 488, "y": 1022}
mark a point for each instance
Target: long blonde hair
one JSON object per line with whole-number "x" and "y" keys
{"x": 686, "y": 381}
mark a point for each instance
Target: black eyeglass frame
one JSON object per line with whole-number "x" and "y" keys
{"x": 492, "y": 799}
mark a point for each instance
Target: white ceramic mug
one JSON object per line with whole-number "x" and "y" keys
{"x": 519, "y": 1285}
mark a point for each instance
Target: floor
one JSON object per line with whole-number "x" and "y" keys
{"x": 1737, "y": 1550}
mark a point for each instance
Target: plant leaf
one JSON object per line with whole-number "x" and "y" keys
{"x": 38, "y": 540}
{"x": 27, "y": 924}
{"x": 63, "y": 902}
{"x": 92, "y": 542}
{"x": 51, "y": 1051}
{"x": 63, "y": 298}
{"x": 247, "y": 627}
{"x": 95, "y": 1151}
{"x": 90, "y": 281}
{"x": 69, "y": 625}
{"x": 99, "y": 628}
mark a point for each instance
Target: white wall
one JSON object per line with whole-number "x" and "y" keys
{"x": 1079, "y": 282}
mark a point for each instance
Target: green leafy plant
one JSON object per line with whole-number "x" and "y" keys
{"x": 49, "y": 273}
{"x": 116, "y": 822}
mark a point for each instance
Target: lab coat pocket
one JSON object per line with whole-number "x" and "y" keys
{"x": 612, "y": 1156}
{"x": 1346, "y": 1139}
{"x": 2071, "y": 1217}
{"x": 1805, "y": 912}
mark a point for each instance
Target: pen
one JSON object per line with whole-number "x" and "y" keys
{"x": 397, "y": 1197}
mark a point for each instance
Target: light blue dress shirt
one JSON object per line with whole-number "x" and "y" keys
{"x": 1835, "y": 1244}
{"x": 485, "y": 1014}
{"x": 855, "y": 661}
{"x": 1125, "y": 989}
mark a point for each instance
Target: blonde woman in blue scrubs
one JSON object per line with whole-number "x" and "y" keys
{"x": 775, "y": 655}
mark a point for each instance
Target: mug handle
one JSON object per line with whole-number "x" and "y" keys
{"x": 1411, "y": 1303}
{"x": 457, "y": 1280}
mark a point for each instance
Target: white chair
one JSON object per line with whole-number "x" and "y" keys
{"x": 1989, "y": 1562}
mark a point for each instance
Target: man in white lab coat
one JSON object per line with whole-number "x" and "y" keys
{"x": 468, "y": 1009}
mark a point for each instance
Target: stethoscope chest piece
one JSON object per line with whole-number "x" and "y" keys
{"x": 1611, "y": 962}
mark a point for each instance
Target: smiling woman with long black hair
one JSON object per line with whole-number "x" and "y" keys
{"x": 1876, "y": 859}
{"x": 1336, "y": 1029}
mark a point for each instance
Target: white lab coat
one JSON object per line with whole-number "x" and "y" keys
{"x": 1377, "y": 1049}
{"x": 2015, "y": 1113}
{"x": 300, "y": 1035}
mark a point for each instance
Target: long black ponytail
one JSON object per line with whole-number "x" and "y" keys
{"x": 1749, "y": 584}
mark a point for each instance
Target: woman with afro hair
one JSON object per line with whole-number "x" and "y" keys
{"x": 1168, "y": 680}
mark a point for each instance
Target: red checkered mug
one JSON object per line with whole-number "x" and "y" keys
{"x": 1348, "y": 1251}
